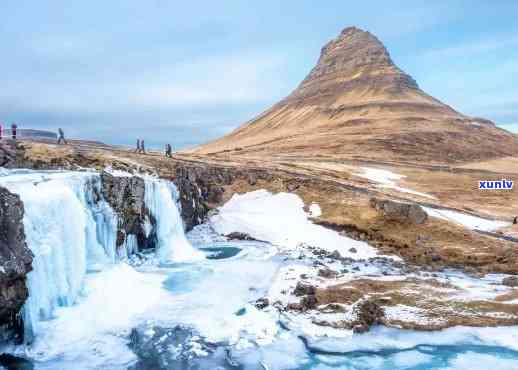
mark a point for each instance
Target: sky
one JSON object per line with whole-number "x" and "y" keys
{"x": 188, "y": 72}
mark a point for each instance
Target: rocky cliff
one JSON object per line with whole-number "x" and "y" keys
{"x": 15, "y": 263}
{"x": 356, "y": 103}
{"x": 126, "y": 197}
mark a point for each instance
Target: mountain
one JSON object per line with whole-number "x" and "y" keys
{"x": 356, "y": 103}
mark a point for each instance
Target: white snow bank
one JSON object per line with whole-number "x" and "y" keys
{"x": 280, "y": 219}
{"x": 314, "y": 210}
{"x": 468, "y": 221}
{"x": 388, "y": 179}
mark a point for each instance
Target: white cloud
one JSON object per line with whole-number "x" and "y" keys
{"x": 472, "y": 48}
{"x": 247, "y": 77}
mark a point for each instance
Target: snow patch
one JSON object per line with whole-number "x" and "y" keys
{"x": 465, "y": 220}
{"x": 280, "y": 219}
{"x": 388, "y": 179}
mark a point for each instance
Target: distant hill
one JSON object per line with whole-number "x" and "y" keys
{"x": 357, "y": 103}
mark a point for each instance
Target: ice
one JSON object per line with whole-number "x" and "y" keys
{"x": 281, "y": 220}
{"x": 410, "y": 359}
{"x": 388, "y": 179}
{"x": 173, "y": 246}
{"x": 481, "y": 361}
{"x": 465, "y": 220}
{"x": 62, "y": 233}
{"x": 71, "y": 232}
{"x": 381, "y": 338}
{"x": 88, "y": 331}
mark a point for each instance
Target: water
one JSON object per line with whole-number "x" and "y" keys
{"x": 85, "y": 298}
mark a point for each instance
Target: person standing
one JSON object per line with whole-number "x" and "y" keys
{"x": 142, "y": 147}
{"x": 168, "y": 150}
{"x": 61, "y": 138}
{"x": 1, "y": 130}
{"x": 13, "y": 130}
{"x": 138, "y": 146}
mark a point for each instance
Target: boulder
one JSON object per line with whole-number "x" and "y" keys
{"x": 304, "y": 289}
{"x": 368, "y": 313}
{"x": 397, "y": 211}
{"x": 511, "y": 281}
{"x": 327, "y": 273}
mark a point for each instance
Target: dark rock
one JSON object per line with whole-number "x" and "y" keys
{"x": 304, "y": 289}
{"x": 353, "y": 250}
{"x": 196, "y": 189}
{"x": 252, "y": 179}
{"x": 333, "y": 308}
{"x": 511, "y": 281}
{"x": 15, "y": 264}
{"x": 239, "y": 236}
{"x": 262, "y": 303}
{"x": 294, "y": 307}
{"x": 327, "y": 273}
{"x": 368, "y": 313}
{"x": 126, "y": 196}
{"x": 291, "y": 187}
{"x": 10, "y": 362}
{"x": 309, "y": 302}
{"x": 401, "y": 212}
{"x": 335, "y": 255}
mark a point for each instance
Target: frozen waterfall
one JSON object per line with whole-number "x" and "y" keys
{"x": 172, "y": 245}
{"x": 72, "y": 231}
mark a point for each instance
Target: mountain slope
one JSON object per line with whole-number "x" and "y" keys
{"x": 356, "y": 103}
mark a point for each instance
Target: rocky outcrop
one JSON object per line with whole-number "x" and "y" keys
{"x": 125, "y": 194}
{"x": 15, "y": 263}
{"x": 11, "y": 154}
{"x": 202, "y": 188}
{"x": 511, "y": 281}
{"x": 401, "y": 212}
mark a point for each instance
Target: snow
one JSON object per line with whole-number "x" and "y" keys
{"x": 388, "y": 179}
{"x": 314, "y": 210}
{"x": 465, "y": 220}
{"x": 117, "y": 173}
{"x": 281, "y": 220}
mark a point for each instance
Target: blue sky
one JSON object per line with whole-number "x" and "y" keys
{"x": 187, "y": 72}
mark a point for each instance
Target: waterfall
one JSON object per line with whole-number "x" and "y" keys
{"x": 172, "y": 246}
{"x": 72, "y": 231}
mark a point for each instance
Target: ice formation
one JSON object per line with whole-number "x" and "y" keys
{"x": 71, "y": 232}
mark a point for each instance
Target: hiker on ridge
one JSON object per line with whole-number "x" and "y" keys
{"x": 138, "y": 146}
{"x": 61, "y": 138}
{"x": 13, "y": 130}
{"x": 142, "y": 147}
{"x": 168, "y": 150}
